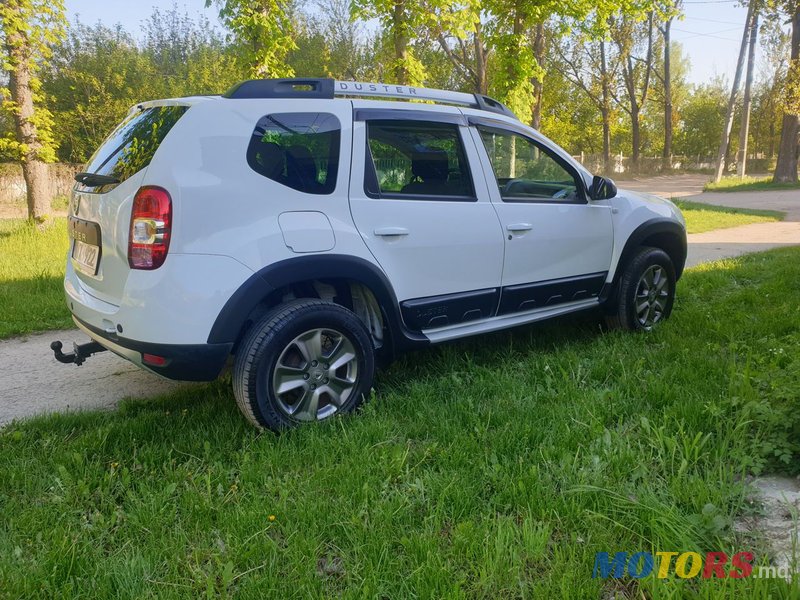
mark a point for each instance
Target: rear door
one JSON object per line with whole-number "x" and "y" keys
{"x": 425, "y": 214}
{"x": 558, "y": 243}
{"x": 99, "y": 215}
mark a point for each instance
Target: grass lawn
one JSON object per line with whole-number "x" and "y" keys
{"x": 748, "y": 184}
{"x": 705, "y": 217}
{"x": 490, "y": 468}
{"x": 31, "y": 277}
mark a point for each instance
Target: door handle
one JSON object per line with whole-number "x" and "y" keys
{"x": 389, "y": 231}
{"x": 519, "y": 227}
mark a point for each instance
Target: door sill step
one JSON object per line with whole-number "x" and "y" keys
{"x": 451, "y": 332}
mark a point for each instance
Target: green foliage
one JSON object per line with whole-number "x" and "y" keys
{"x": 702, "y": 118}
{"x": 98, "y": 73}
{"x": 264, "y": 34}
{"x": 28, "y": 31}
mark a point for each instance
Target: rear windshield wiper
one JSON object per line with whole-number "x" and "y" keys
{"x": 93, "y": 179}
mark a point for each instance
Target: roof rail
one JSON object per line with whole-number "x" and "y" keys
{"x": 321, "y": 88}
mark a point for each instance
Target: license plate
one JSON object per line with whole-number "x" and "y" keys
{"x": 85, "y": 257}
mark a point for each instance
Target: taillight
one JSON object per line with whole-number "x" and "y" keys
{"x": 151, "y": 226}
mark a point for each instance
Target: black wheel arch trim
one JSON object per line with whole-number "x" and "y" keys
{"x": 230, "y": 322}
{"x": 649, "y": 228}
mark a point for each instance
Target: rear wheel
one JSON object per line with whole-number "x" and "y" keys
{"x": 306, "y": 361}
{"x": 645, "y": 293}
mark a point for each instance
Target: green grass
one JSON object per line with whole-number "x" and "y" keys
{"x": 490, "y": 468}
{"x": 31, "y": 277}
{"x": 747, "y": 184}
{"x": 705, "y": 217}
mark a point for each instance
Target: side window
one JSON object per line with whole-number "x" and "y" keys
{"x": 298, "y": 150}
{"x": 417, "y": 159}
{"x": 527, "y": 172}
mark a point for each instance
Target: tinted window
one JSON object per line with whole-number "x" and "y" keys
{"x": 298, "y": 150}
{"x": 526, "y": 171}
{"x": 417, "y": 159}
{"x": 131, "y": 146}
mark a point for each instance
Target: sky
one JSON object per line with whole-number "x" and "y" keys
{"x": 710, "y": 32}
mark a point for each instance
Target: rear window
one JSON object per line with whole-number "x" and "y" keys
{"x": 131, "y": 146}
{"x": 298, "y": 150}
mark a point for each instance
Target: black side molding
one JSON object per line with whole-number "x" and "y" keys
{"x": 449, "y": 309}
{"x": 527, "y": 296}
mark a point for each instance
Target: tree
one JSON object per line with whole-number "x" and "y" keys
{"x": 744, "y": 129}
{"x": 702, "y": 118}
{"x": 726, "y": 130}
{"x": 590, "y": 68}
{"x": 264, "y": 32}
{"x": 786, "y": 167}
{"x": 28, "y": 29}
{"x": 399, "y": 19}
{"x": 666, "y": 29}
{"x": 631, "y": 38}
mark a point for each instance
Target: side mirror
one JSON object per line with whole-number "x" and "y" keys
{"x": 602, "y": 188}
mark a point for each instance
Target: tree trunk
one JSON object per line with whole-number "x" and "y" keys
{"x": 538, "y": 85}
{"x": 400, "y": 35}
{"x": 726, "y": 129}
{"x": 482, "y": 83}
{"x": 667, "y": 152}
{"x": 33, "y": 168}
{"x": 786, "y": 167}
{"x": 744, "y": 129}
{"x": 636, "y": 137}
{"x": 605, "y": 110}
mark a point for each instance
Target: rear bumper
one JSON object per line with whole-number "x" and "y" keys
{"x": 184, "y": 362}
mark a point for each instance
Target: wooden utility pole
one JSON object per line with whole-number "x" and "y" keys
{"x": 744, "y": 130}
{"x": 666, "y": 155}
{"x": 786, "y": 167}
{"x": 726, "y": 128}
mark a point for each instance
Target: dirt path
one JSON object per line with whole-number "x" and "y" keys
{"x": 33, "y": 382}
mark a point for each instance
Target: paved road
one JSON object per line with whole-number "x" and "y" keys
{"x": 726, "y": 243}
{"x": 33, "y": 382}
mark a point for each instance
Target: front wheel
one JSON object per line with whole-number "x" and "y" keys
{"x": 306, "y": 361}
{"x": 645, "y": 293}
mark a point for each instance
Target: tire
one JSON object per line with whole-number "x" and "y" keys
{"x": 648, "y": 279}
{"x": 305, "y": 361}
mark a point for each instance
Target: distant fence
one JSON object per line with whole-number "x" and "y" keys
{"x": 12, "y": 183}
{"x": 652, "y": 165}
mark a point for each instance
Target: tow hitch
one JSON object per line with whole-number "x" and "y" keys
{"x": 80, "y": 352}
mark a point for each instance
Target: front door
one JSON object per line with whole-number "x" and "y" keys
{"x": 558, "y": 242}
{"x": 426, "y": 216}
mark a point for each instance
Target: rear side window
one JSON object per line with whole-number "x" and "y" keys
{"x": 298, "y": 150}
{"x": 417, "y": 159}
{"x": 131, "y": 146}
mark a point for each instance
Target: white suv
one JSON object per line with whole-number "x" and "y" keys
{"x": 308, "y": 232}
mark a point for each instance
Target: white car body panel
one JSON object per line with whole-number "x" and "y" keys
{"x": 441, "y": 246}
